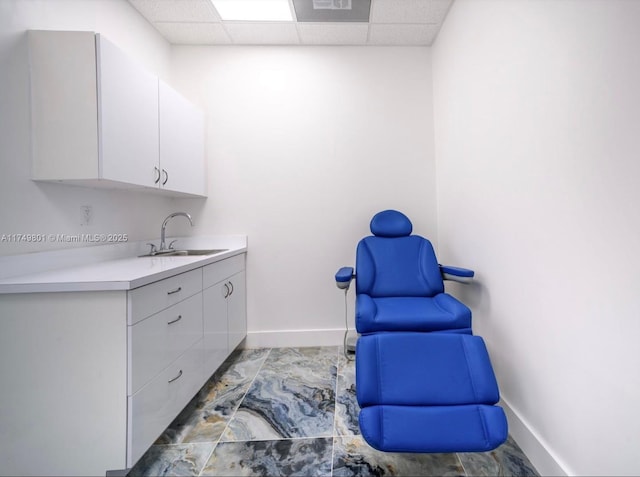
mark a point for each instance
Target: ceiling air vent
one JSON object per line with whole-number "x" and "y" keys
{"x": 332, "y": 10}
{"x": 332, "y": 4}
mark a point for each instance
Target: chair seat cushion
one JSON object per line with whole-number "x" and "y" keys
{"x": 424, "y": 369}
{"x": 442, "y": 312}
{"x": 468, "y": 428}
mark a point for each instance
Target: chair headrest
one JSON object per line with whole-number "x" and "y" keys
{"x": 390, "y": 223}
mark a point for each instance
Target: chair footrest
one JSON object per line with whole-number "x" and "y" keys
{"x": 430, "y": 429}
{"x": 424, "y": 369}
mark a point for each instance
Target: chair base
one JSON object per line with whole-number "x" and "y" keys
{"x": 351, "y": 344}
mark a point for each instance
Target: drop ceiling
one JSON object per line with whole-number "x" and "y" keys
{"x": 390, "y": 22}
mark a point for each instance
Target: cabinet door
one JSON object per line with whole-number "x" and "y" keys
{"x": 215, "y": 327}
{"x": 237, "y": 310}
{"x": 181, "y": 143}
{"x": 64, "y": 114}
{"x": 127, "y": 117}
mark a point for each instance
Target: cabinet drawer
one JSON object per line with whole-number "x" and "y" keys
{"x": 218, "y": 271}
{"x": 161, "y": 338}
{"x": 152, "y": 409}
{"x": 152, "y": 298}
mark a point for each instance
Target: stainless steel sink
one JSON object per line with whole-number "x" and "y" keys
{"x": 188, "y": 252}
{"x": 211, "y": 251}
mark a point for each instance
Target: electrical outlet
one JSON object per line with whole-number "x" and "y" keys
{"x": 86, "y": 215}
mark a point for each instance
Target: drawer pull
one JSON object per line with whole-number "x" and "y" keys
{"x": 174, "y": 291}
{"x": 177, "y": 377}
{"x": 174, "y": 321}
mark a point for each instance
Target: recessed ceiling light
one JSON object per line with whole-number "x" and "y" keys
{"x": 254, "y": 10}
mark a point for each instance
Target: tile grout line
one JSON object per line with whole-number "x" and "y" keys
{"x": 234, "y": 414}
{"x": 209, "y": 456}
{"x": 300, "y": 438}
{"x": 464, "y": 471}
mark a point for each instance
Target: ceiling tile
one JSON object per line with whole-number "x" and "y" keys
{"x": 262, "y": 33}
{"x": 402, "y": 34}
{"x": 177, "y": 10}
{"x": 193, "y": 33}
{"x": 333, "y": 33}
{"x": 409, "y": 11}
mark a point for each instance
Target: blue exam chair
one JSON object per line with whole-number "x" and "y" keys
{"x": 424, "y": 383}
{"x": 399, "y": 283}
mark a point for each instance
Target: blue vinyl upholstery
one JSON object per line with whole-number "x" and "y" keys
{"x": 399, "y": 285}
{"x": 344, "y": 277}
{"x": 428, "y": 392}
{"x": 427, "y": 429}
{"x": 424, "y": 383}
{"x": 424, "y": 369}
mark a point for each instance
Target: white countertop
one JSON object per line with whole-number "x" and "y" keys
{"x": 114, "y": 267}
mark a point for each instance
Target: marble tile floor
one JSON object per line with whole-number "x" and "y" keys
{"x": 293, "y": 412}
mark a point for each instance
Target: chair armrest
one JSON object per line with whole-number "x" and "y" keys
{"x": 344, "y": 277}
{"x": 456, "y": 274}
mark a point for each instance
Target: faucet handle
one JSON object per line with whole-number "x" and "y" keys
{"x": 153, "y": 250}
{"x": 171, "y": 244}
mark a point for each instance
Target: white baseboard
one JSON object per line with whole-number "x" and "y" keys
{"x": 295, "y": 338}
{"x": 542, "y": 458}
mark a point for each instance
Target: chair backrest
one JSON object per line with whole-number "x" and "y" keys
{"x": 394, "y": 263}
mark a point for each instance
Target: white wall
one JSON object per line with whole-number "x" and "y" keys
{"x": 305, "y": 145}
{"x": 537, "y": 119}
{"x": 27, "y": 207}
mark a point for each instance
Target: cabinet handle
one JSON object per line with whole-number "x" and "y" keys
{"x": 158, "y": 177}
{"x": 166, "y": 176}
{"x": 231, "y": 292}
{"x": 174, "y": 291}
{"x": 174, "y": 321}
{"x": 177, "y": 377}
{"x": 226, "y": 287}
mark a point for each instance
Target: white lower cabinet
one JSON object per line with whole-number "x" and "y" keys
{"x": 162, "y": 338}
{"x": 177, "y": 348}
{"x": 109, "y": 370}
{"x": 224, "y": 299}
{"x": 153, "y": 407}
{"x": 164, "y": 358}
{"x": 215, "y": 343}
{"x": 237, "y": 310}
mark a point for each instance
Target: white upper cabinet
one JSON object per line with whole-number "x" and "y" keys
{"x": 127, "y": 117}
{"x": 181, "y": 143}
{"x": 100, "y": 119}
{"x": 64, "y": 110}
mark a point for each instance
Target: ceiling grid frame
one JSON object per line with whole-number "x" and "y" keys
{"x": 391, "y": 23}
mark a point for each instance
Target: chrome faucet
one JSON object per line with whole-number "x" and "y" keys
{"x": 163, "y": 245}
